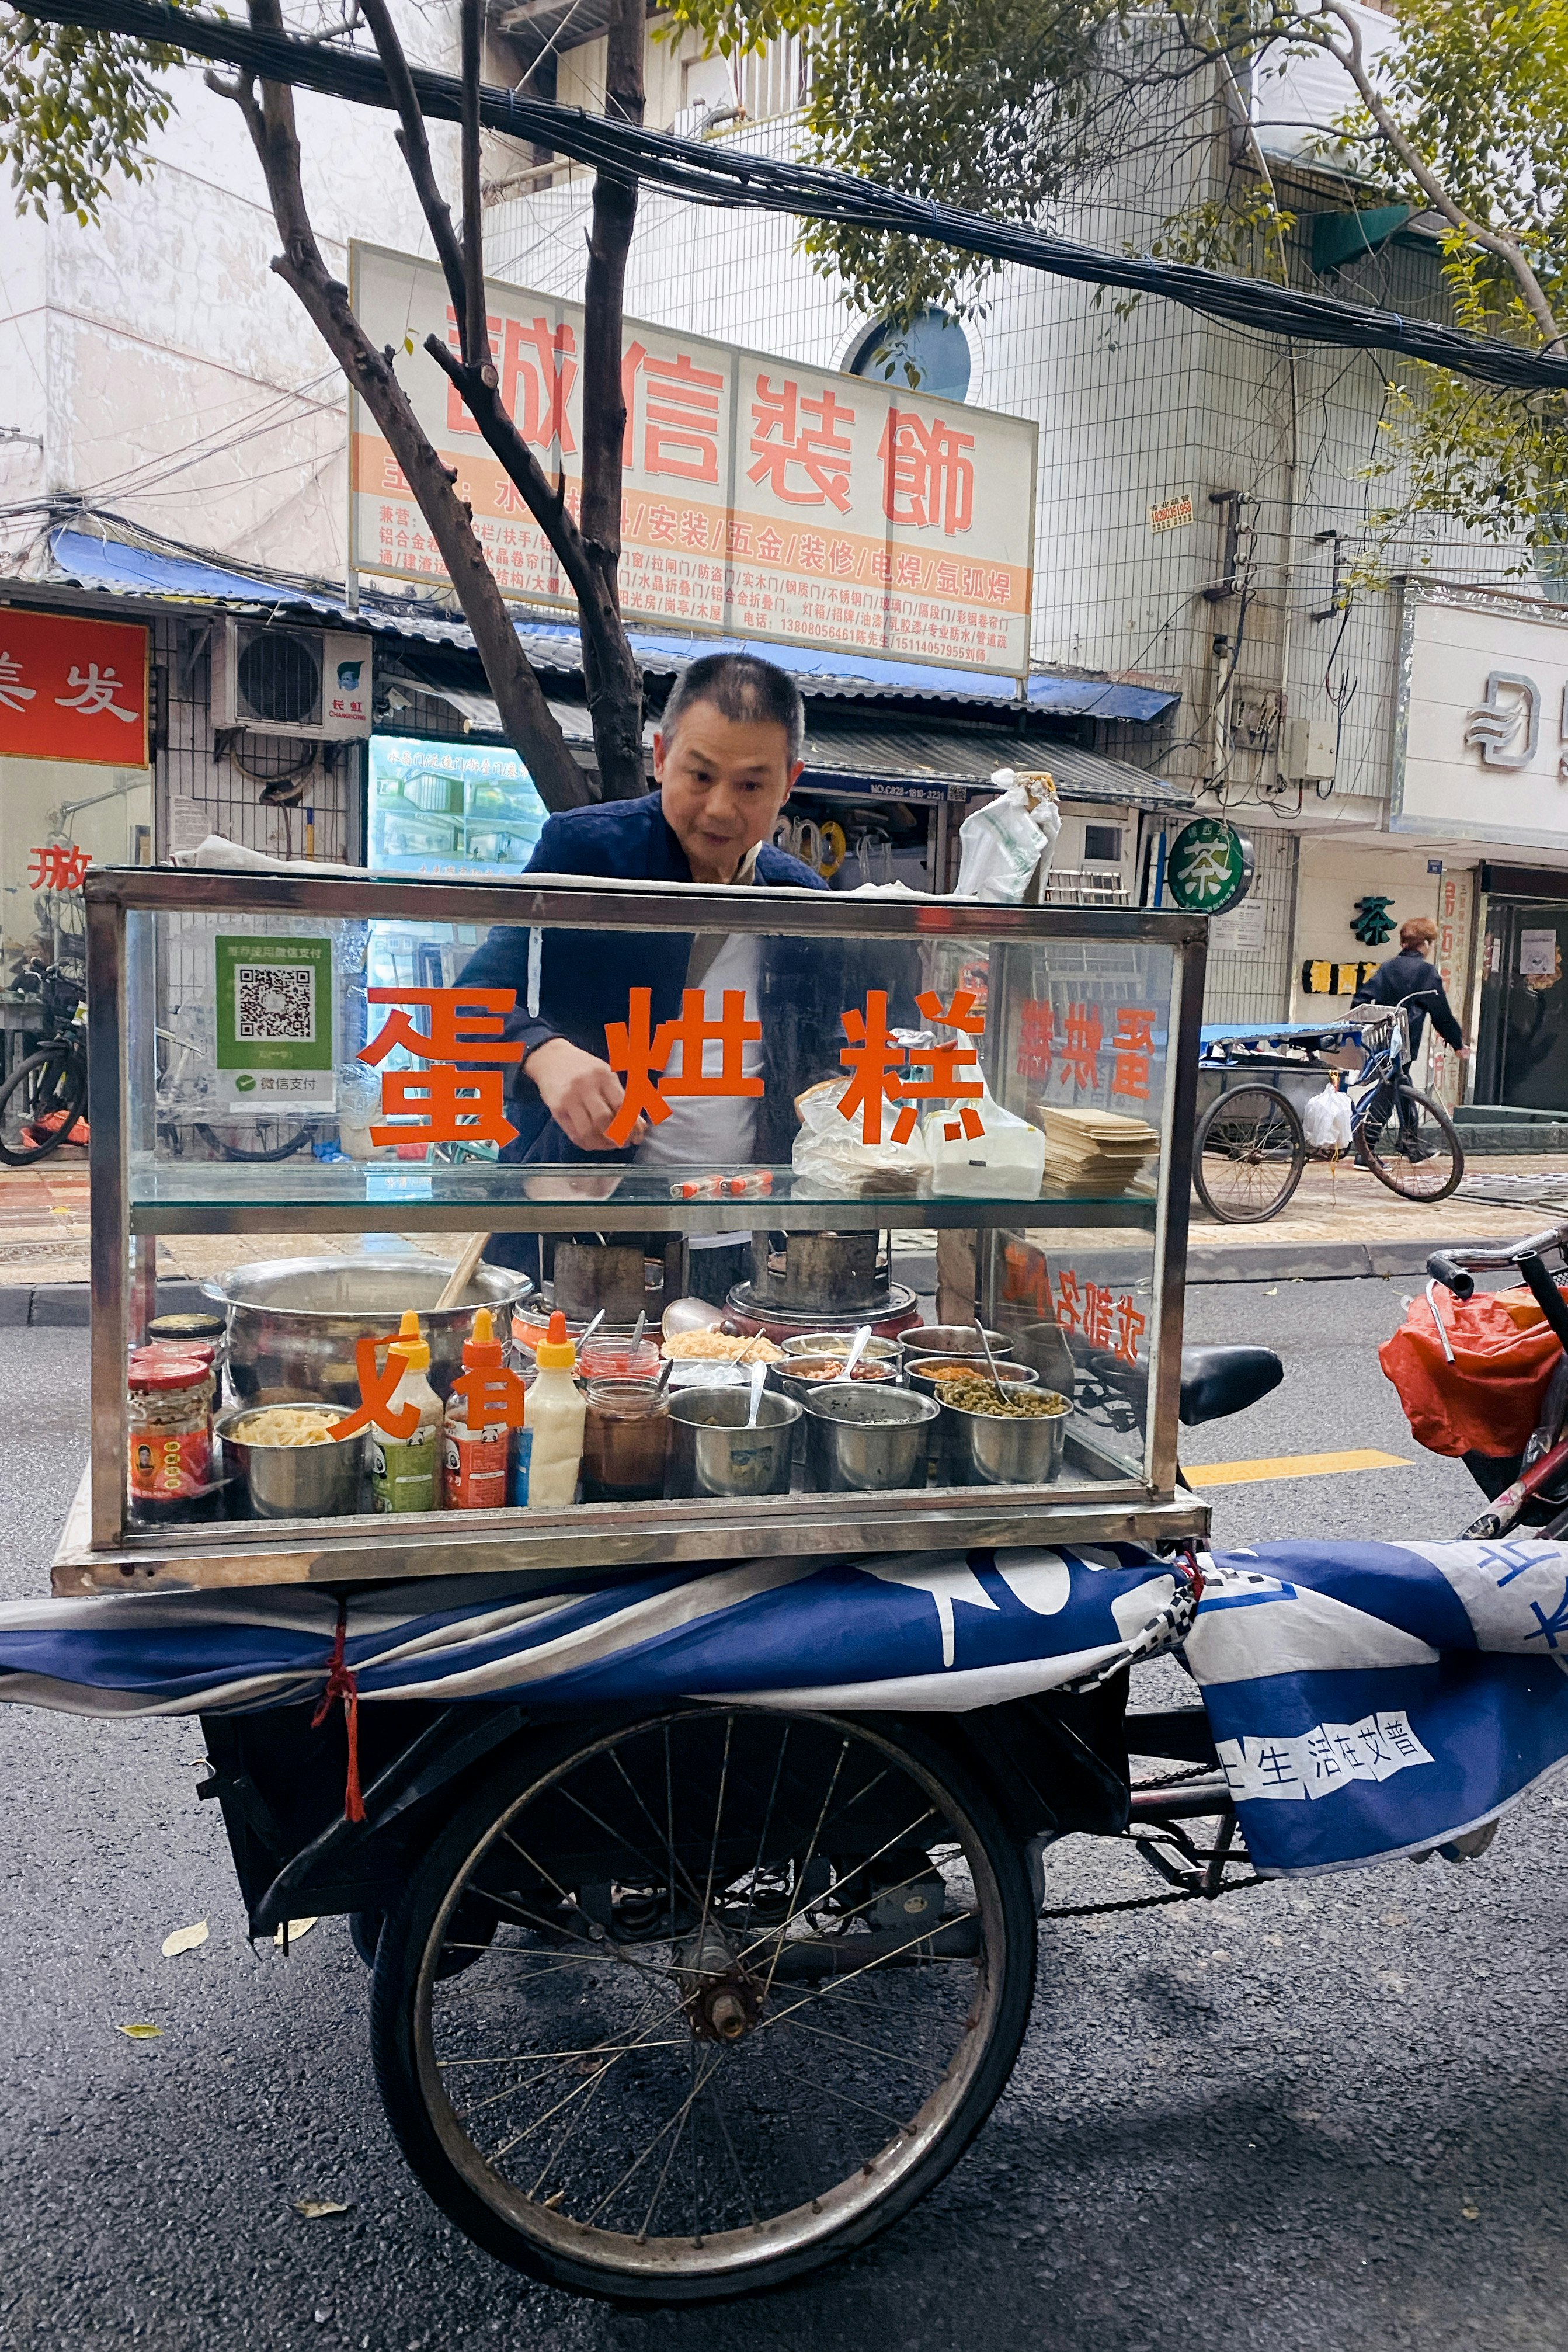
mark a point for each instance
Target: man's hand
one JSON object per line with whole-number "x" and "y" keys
{"x": 581, "y": 1093}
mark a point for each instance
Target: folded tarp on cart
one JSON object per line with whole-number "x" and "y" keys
{"x": 1368, "y": 1700}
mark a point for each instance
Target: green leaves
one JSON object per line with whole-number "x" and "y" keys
{"x": 75, "y": 108}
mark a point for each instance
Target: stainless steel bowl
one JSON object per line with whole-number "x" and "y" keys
{"x": 295, "y": 1482}
{"x": 294, "y": 1322}
{"x": 949, "y": 1339}
{"x": 943, "y": 1437}
{"x": 867, "y": 1440}
{"x": 783, "y": 1377}
{"x": 712, "y": 1451}
{"x": 838, "y": 1343}
{"x": 994, "y": 1450}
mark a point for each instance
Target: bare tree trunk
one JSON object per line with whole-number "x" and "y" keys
{"x": 614, "y": 682}
{"x": 526, "y": 716}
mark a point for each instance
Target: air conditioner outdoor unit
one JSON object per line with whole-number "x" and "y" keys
{"x": 310, "y": 682}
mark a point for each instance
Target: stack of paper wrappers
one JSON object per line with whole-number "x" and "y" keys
{"x": 1094, "y": 1150}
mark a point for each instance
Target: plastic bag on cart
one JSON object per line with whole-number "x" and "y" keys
{"x": 829, "y": 1152}
{"x": 1487, "y": 1398}
{"x": 1007, "y": 841}
{"x": 1326, "y": 1121}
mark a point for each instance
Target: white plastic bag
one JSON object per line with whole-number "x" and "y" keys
{"x": 829, "y": 1152}
{"x": 1006, "y": 1162}
{"x": 1325, "y": 1122}
{"x": 1005, "y": 843}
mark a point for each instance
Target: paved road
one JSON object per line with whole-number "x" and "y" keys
{"x": 1324, "y": 2115}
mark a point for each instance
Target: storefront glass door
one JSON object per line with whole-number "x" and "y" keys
{"x": 1522, "y": 1057}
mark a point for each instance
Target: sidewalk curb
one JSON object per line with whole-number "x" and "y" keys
{"x": 1320, "y": 1261}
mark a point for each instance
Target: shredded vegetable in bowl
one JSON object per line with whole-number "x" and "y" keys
{"x": 720, "y": 1347}
{"x": 287, "y": 1425}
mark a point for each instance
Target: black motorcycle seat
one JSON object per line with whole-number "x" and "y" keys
{"x": 1215, "y": 1382}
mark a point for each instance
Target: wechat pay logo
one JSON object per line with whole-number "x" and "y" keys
{"x": 245, "y": 1083}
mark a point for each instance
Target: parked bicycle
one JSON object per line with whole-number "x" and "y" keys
{"x": 1251, "y": 1152}
{"x": 42, "y": 1102}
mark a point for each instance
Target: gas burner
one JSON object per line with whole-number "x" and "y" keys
{"x": 898, "y": 1311}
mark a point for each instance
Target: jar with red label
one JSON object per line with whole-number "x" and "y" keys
{"x": 171, "y": 1425}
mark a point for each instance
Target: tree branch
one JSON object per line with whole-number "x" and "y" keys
{"x": 415, "y": 146}
{"x": 525, "y": 714}
{"x": 477, "y": 350}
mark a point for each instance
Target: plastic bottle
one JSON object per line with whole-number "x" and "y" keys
{"x": 476, "y": 1460}
{"x": 545, "y": 1475}
{"x": 405, "y": 1471}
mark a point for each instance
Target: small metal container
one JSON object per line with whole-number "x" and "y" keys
{"x": 786, "y": 1379}
{"x": 1010, "y": 1375}
{"x": 712, "y": 1451}
{"x": 949, "y": 1339}
{"x": 994, "y": 1450}
{"x": 838, "y": 1343}
{"x": 867, "y": 1440}
{"x": 295, "y": 1482}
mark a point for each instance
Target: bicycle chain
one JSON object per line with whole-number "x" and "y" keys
{"x": 1152, "y": 1902}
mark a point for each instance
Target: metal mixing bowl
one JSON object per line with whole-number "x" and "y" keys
{"x": 785, "y": 1376}
{"x": 949, "y": 1339}
{"x": 712, "y": 1451}
{"x": 295, "y": 1482}
{"x": 993, "y": 1450}
{"x": 294, "y": 1322}
{"x": 867, "y": 1440}
{"x": 838, "y": 1343}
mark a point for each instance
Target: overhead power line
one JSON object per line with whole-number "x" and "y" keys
{"x": 732, "y": 178}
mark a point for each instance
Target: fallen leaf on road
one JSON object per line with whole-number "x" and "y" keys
{"x": 183, "y": 1939}
{"x": 139, "y": 2032}
{"x": 295, "y": 1929}
{"x": 315, "y": 2209}
{"x": 1471, "y": 2212}
{"x": 1272, "y": 1294}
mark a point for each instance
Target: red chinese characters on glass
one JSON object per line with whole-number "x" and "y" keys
{"x": 1132, "y": 1047}
{"x": 875, "y": 1063}
{"x": 793, "y": 437}
{"x": 1037, "y": 1038}
{"x": 955, "y": 1068}
{"x": 490, "y": 1398}
{"x": 1103, "y": 1320}
{"x": 680, "y": 414}
{"x": 448, "y": 1103}
{"x": 1079, "y": 1051}
{"x": 637, "y": 1050}
{"x": 378, "y": 1383}
{"x": 60, "y": 865}
{"x": 926, "y": 478}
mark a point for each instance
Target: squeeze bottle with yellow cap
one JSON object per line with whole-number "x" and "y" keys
{"x": 405, "y": 1471}
{"x": 476, "y": 1459}
{"x": 545, "y": 1475}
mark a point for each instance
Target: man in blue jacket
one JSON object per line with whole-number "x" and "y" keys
{"x": 726, "y": 756}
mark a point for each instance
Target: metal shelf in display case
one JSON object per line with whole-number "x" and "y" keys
{"x": 969, "y": 1031}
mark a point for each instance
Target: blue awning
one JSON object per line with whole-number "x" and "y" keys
{"x": 87, "y": 560}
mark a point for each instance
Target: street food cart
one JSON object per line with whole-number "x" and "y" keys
{"x": 682, "y": 1995}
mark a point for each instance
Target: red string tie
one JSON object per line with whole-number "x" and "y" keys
{"x": 342, "y": 1683}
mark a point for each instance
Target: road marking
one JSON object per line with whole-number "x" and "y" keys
{"x": 1290, "y": 1465}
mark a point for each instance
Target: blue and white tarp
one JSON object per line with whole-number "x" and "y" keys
{"x": 1367, "y": 1700}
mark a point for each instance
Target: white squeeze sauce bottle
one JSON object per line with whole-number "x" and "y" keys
{"x": 553, "y": 1418}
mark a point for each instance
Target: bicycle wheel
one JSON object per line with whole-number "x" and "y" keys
{"x": 1438, "y": 1162}
{"x": 1249, "y": 1155}
{"x": 741, "y": 1987}
{"x": 41, "y": 1103}
{"x": 291, "y": 1143}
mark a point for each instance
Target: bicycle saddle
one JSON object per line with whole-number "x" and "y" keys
{"x": 1215, "y": 1382}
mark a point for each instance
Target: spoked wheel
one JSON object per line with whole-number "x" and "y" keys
{"x": 687, "y": 2008}
{"x": 40, "y": 1105}
{"x": 1249, "y": 1155}
{"x": 1425, "y": 1165}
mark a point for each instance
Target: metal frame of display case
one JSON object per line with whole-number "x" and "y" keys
{"x": 97, "y": 1553}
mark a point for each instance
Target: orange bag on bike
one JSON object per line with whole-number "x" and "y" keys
{"x": 1489, "y": 1399}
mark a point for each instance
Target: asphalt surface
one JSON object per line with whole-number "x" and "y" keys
{"x": 1320, "y": 2115}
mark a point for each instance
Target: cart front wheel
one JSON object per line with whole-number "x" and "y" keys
{"x": 1410, "y": 1144}
{"x": 740, "y": 1987}
{"x": 1249, "y": 1155}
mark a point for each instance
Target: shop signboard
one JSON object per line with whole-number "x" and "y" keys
{"x": 1481, "y": 732}
{"x": 1209, "y": 870}
{"x": 762, "y": 499}
{"x": 73, "y": 688}
{"x": 450, "y": 809}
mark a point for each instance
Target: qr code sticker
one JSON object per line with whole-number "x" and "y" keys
{"x": 274, "y": 1004}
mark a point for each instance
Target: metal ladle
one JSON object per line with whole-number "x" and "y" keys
{"x": 758, "y": 1375}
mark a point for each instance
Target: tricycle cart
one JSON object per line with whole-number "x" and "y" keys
{"x": 1250, "y": 1151}
{"x": 702, "y": 1944}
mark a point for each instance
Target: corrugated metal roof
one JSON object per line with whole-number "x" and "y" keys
{"x": 965, "y": 758}
{"x": 91, "y": 560}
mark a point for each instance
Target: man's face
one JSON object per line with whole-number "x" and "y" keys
{"x": 723, "y": 783}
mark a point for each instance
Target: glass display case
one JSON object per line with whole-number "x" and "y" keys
{"x": 961, "y": 1131}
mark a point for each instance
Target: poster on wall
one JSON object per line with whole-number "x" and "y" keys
{"x": 762, "y": 499}
{"x": 459, "y": 810}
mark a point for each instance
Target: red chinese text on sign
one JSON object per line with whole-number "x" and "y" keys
{"x": 874, "y": 1062}
{"x": 1103, "y": 1320}
{"x": 451, "y": 1106}
{"x": 60, "y": 865}
{"x": 927, "y": 478}
{"x": 72, "y": 689}
{"x": 637, "y": 1050}
{"x": 537, "y": 368}
{"x": 376, "y": 1389}
{"x": 1133, "y": 1046}
{"x": 492, "y": 1398}
{"x": 445, "y": 1105}
{"x": 465, "y": 1024}
{"x": 1037, "y": 1038}
{"x": 1079, "y": 1051}
{"x": 680, "y": 414}
{"x": 955, "y": 1069}
{"x": 793, "y": 437}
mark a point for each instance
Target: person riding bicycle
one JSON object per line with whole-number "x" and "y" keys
{"x": 1409, "y": 978}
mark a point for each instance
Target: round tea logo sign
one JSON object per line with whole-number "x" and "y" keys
{"x": 1210, "y": 866}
